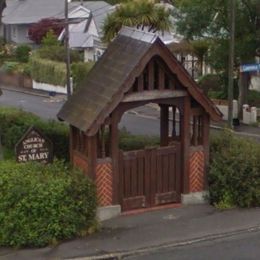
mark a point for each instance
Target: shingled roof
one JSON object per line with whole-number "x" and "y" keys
{"x": 114, "y": 74}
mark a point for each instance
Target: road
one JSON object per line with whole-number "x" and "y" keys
{"x": 44, "y": 107}
{"x": 48, "y": 108}
{"x": 241, "y": 247}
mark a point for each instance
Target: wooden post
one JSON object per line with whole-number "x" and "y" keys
{"x": 185, "y": 139}
{"x": 161, "y": 79}
{"x": 151, "y": 75}
{"x": 205, "y": 142}
{"x": 92, "y": 156}
{"x": 114, "y": 136}
{"x": 71, "y": 137}
{"x": 164, "y": 124}
{"x": 140, "y": 83}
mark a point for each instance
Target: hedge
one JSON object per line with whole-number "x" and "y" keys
{"x": 79, "y": 72}
{"x": 234, "y": 174}
{"x": 43, "y": 204}
{"x": 48, "y": 71}
{"x": 130, "y": 142}
{"x": 15, "y": 122}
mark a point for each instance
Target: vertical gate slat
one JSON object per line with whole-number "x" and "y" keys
{"x": 140, "y": 175}
{"x": 178, "y": 172}
{"x": 134, "y": 175}
{"x": 147, "y": 158}
{"x": 165, "y": 176}
{"x": 127, "y": 177}
{"x": 172, "y": 171}
{"x": 159, "y": 173}
{"x": 153, "y": 180}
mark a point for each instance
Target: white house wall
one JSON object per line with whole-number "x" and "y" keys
{"x": 92, "y": 28}
{"x": 255, "y": 83}
{"x": 22, "y": 35}
{"x": 18, "y": 33}
{"x": 89, "y": 54}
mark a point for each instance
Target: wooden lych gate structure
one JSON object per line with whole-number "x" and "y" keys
{"x": 137, "y": 69}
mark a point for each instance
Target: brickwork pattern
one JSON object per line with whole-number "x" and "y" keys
{"x": 104, "y": 183}
{"x": 196, "y": 171}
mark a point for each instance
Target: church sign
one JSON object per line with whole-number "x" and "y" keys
{"x": 34, "y": 146}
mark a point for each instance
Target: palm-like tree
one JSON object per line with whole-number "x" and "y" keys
{"x": 137, "y": 13}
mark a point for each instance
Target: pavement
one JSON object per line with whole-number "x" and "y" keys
{"x": 138, "y": 234}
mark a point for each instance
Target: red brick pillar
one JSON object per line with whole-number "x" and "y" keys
{"x": 104, "y": 182}
{"x": 196, "y": 171}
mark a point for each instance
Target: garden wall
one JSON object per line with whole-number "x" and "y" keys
{"x": 49, "y": 87}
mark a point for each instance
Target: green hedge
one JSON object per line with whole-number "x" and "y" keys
{"x": 43, "y": 204}
{"x": 58, "y": 53}
{"x": 79, "y": 72}
{"x": 22, "y": 52}
{"x": 130, "y": 142}
{"x": 15, "y": 122}
{"x": 47, "y": 71}
{"x": 234, "y": 175}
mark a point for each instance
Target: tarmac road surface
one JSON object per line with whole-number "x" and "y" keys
{"x": 241, "y": 247}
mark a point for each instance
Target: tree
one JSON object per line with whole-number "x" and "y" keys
{"x": 137, "y": 13}
{"x": 208, "y": 19}
{"x": 200, "y": 49}
{"x": 50, "y": 39}
{"x": 39, "y": 30}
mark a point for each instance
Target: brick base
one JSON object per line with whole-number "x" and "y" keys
{"x": 80, "y": 161}
{"x": 104, "y": 182}
{"x": 196, "y": 171}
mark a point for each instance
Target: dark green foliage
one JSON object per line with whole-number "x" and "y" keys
{"x": 129, "y": 142}
{"x": 79, "y": 72}
{"x": 48, "y": 71}
{"x": 254, "y": 98}
{"x": 14, "y": 124}
{"x": 234, "y": 175}
{"x": 9, "y": 67}
{"x": 50, "y": 39}
{"x": 58, "y": 53}
{"x": 43, "y": 204}
{"x": 22, "y": 53}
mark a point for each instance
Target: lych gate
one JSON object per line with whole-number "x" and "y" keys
{"x": 138, "y": 69}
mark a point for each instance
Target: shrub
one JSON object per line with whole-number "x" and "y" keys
{"x": 9, "y": 66}
{"x": 39, "y": 30}
{"x": 42, "y": 204}
{"x": 50, "y": 39}
{"x": 254, "y": 98}
{"x": 22, "y": 53}
{"x": 58, "y": 53}
{"x": 234, "y": 175}
{"x": 79, "y": 72}
{"x": 15, "y": 122}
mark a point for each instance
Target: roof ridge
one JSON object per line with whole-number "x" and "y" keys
{"x": 138, "y": 34}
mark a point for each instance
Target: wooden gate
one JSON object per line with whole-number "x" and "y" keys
{"x": 150, "y": 177}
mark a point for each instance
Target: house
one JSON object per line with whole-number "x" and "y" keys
{"x": 19, "y": 15}
{"x": 86, "y": 35}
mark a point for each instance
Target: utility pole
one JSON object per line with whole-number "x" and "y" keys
{"x": 232, "y": 6}
{"x": 67, "y": 50}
